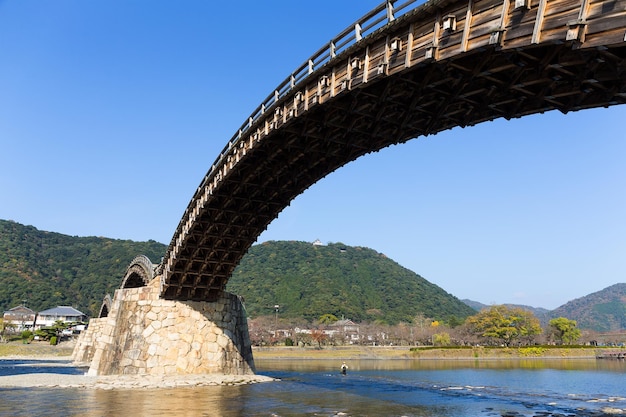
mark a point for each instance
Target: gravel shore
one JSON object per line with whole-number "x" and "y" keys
{"x": 125, "y": 381}
{"x": 61, "y": 380}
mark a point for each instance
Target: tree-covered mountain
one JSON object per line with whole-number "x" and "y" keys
{"x": 542, "y": 314}
{"x": 602, "y": 311}
{"x": 46, "y": 269}
{"x": 308, "y": 281}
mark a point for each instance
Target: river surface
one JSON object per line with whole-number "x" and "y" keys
{"x": 426, "y": 388}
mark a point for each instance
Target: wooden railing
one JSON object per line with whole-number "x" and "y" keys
{"x": 380, "y": 16}
{"x": 377, "y": 18}
{"x": 402, "y": 34}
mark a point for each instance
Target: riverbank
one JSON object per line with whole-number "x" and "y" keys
{"x": 405, "y": 352}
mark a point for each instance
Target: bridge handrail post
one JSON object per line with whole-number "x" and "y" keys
{"x": 358, "y": 32}
{"x": 390, "y": 15}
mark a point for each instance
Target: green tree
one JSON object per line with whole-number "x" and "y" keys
{"x": 565, "y": 330}
{"x": 441, "y": 339}
{"x": 504, "y": 324}
{"x": 47, "y": 333}
{"x": 328, "y": 319}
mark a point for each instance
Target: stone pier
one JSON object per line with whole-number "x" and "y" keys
{"x": 145, "y": 334}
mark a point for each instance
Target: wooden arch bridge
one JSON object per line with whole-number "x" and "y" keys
{"x": 402, "y": 71}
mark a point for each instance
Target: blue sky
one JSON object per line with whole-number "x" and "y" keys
{"x": 111, "y": 112}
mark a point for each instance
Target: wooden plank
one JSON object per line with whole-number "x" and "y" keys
{"x": 486, "y": 11}
{"x": 356, "y": 69}
{"x": 560, "y": 13}
{"x": 341, "y": 79}
{"x": 450, "y": 39}
{"x": 378, "y": 52}
{"x": 366, "y": 63}
{"x": 504, "y": 14}
{"x": 467, "y": 25}
{"x": 486, "y": 17}
{"x": 539, "y": 21}
{"x": 409, "y": 46}
{"x": 615, "y": 36}
{"x": 436, "y": 31}
{"x": 519, "y": 34}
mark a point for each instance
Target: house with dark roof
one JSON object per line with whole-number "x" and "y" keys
{"x": 66, "y": 314}
{"x": 19, "y": 318}
{"x": 347, "y": 328}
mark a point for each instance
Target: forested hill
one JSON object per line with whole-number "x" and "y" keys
{"x": 354, "y": 282}
{"x": 602, "y": 311}
{"x": 48, "y": 269}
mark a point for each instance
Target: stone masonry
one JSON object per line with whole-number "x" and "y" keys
{"x": 144, "y": 334}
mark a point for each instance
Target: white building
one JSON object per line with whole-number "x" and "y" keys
{"x": 66, "y": 314}
{"x": 19, "y": 318}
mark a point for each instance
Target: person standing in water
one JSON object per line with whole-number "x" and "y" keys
{"x": 344, "y": 368}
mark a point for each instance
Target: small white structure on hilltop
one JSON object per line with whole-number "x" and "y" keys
{"x": 318, "y": 243}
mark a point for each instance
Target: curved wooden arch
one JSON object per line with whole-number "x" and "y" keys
{"x": 105, "y": 308}
{"x": 386, "y": 79}
{"x": 139, "y": 273}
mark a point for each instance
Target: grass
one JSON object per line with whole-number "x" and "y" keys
{"x": 406, "y": 352}
{"x": 35, "y": 349}
{"x": 333, "y": 352}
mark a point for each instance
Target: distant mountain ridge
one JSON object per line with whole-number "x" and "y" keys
{"x": 601, "y": 311}
{"x": 539, "y": 312}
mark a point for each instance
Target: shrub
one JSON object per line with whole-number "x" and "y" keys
{"x": 532, "y": 351}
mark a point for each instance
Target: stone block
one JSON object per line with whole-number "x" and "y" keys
{"x": 222, "y": 341}
{"x": 182, "y": 363}
{"x": 187, "y": 337}
{"x": 211, "y": 337}
{"x": 152, "y": 363}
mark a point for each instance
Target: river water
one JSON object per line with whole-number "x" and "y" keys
{"x": 426, "y": 388}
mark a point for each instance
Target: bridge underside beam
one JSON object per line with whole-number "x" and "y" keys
{"x": 285, "y": 155}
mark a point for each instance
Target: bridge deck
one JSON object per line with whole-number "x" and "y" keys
{"x": 420, "y": 70}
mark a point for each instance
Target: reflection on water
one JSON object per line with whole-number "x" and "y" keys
{"x": 412, "y": 388}
{"x": 218, "y": 401}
